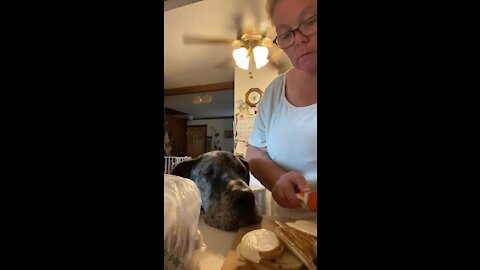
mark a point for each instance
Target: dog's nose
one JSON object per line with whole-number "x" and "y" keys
{"x": 243, "y": 198}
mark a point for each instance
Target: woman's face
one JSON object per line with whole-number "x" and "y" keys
{"x": 288, "y": 15}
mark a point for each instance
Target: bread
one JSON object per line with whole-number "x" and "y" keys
{"x": 239, "y": 255}
{"x": 260, "y": 244}
{"x": 263, "y": 266}
{"x": 272, "y": 255}
{"x": 304, "y": 226}
{"x": 301, "y": 244}
{"x": 286, "y": 261}
{"x": 285, "y": 248}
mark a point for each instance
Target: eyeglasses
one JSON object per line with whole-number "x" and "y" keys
{"x": 306, "y": 28}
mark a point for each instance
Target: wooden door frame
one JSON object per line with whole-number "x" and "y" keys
{"x": 205, "y": 136}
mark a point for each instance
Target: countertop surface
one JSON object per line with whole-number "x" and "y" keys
{"x": 218, "y": 244}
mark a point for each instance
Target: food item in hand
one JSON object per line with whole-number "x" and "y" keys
{"x": 309, "y": 200}
{"x": 260, "y": 244}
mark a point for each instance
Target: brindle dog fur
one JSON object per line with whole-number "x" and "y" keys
{"x": 222, "y": 178}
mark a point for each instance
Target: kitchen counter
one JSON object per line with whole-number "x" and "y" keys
{"x": 218, "y": 244}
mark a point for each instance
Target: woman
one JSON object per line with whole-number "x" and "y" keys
{"x": 282, "y": 151}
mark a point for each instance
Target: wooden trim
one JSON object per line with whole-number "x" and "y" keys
{"x": 171, "y": 112}
{"x": 213, "y": 118}
{"x": 198, "y": 89}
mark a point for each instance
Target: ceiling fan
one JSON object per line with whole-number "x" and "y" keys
{"x": 253, "y": 42}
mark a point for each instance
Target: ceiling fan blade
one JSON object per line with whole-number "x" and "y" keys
{"x": 267, "y": 42}
{"x": 275, "y": 65}
{"x": 227, "y": 63}
{"x": 190, "y": 39}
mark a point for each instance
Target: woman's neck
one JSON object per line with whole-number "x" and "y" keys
{"x": 301, "y": 87}
{"x": 304, "y": 79}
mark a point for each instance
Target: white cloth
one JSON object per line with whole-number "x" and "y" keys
{"x": 290, "y": 135}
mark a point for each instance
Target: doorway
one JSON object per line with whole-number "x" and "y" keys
{"x": 196, "y": 140}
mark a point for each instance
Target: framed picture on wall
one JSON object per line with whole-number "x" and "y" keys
{"x": 228, "y": 134}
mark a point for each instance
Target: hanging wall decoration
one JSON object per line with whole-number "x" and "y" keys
{"x": 253, "y": 96}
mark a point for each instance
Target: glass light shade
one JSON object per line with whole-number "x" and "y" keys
{"x": 206, "y": 99}
{"x": 260, "y": 53}
{"x": 241, "y": 57}
{"x": 197, "y": 100}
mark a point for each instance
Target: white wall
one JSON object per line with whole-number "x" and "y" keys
{"x": 244, "y": 80}
{"x": 260, "y": 79}
{"x": 247, "y": 79}
{"x": 220, "y": 126}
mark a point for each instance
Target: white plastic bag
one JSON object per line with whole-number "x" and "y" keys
{"x": 181, "y": 213}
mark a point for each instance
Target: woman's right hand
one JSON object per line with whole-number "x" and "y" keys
{"x": 286, "y": 187}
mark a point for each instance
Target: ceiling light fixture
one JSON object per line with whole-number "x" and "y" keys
{"x": 251, "y": 47}
{"x": 243, "y": 55}
{"x": 260, "y": 54}
{"x": 202, "y": 99}
{"x": 242, "y": 58}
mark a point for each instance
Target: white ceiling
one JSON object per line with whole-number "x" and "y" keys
{"x": 220, "y": 106}
{"x": 195, "y": 64}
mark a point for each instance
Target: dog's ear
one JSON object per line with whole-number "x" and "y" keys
{"x": 184, "y": 168}
{"x": 245, "y": 163}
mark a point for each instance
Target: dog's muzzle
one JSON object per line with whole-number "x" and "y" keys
{"x": 244, "y": 203}
{"x": 243, "y": 198}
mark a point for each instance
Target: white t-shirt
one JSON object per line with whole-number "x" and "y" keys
{"x": 290, "y": 135}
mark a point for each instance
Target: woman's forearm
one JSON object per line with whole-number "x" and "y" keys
{"x": 263, "y": 167}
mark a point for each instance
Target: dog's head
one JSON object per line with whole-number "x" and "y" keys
{"x": 222, "y": 179}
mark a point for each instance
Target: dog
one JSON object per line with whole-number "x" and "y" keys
{"x": 222, "y": 178}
